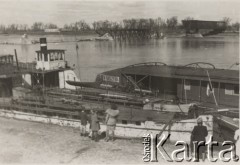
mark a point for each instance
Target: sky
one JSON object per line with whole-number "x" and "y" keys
{"x": 61, "y": 12}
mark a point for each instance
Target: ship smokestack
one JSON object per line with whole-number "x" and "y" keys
{"x": 43, "y": 44}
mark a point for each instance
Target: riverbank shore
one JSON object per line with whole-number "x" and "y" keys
{"x": 32, "y": 142}
{"x": 92, "y": 32}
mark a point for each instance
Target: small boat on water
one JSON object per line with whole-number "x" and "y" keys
{"x": 105, "y": 37}
{"x": 25, "y": 36}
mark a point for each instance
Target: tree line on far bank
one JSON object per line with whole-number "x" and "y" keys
{"x": 171, "y": 24}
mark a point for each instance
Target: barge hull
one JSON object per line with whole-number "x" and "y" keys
{"x": 178, "y": 130}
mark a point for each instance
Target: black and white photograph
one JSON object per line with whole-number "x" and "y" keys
{"x": 119, "y": 81}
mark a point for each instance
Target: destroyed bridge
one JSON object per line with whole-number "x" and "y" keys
{"x": 191, "y": 26}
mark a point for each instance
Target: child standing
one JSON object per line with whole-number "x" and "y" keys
{"x": 95, "y": 126}
{"x": 83, "y": 118}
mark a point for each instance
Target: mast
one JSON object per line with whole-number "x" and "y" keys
{"x": 43, "y": 48}
{"x": 15, "y": 51}
{"x": 78, "y": 61}
{"x": 77, "y": 47}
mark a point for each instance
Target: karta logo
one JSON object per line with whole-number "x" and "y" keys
{"x": 154, "y": 146}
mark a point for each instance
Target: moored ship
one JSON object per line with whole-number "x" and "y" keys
{"x": 152, "y": 97}
{"x": 210, "y": 87}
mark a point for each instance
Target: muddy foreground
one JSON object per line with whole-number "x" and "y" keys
{"x": 31, "y": 142}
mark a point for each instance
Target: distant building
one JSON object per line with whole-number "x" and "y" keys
{"x": 51, "y": 30}
{"x": 66, "y": 30}
{"x": 203, "y": 27}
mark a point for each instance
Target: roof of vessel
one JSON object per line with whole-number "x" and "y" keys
{"x": 182, "y": 72}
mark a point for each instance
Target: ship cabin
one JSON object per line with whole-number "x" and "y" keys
{"x": 48, "y": 65}
{"x": 209, "y": 86}
{"x": 51, "y": 69}
{"x": 50, "y": 59}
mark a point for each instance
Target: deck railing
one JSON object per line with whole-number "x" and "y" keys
{"x": 27, "y": 66}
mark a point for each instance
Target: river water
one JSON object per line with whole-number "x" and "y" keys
{"x": 98, "y": 56}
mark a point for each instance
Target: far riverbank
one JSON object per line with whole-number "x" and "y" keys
{"x": 93, "y": 33}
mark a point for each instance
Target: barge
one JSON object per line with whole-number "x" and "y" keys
{"x": 200, "y": 82}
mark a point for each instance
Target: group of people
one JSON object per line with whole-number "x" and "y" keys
{"x": 199, "y": 132}
{"x": 94, "y": 121}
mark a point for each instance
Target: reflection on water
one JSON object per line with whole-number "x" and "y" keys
{"x": 98, "y": 56}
